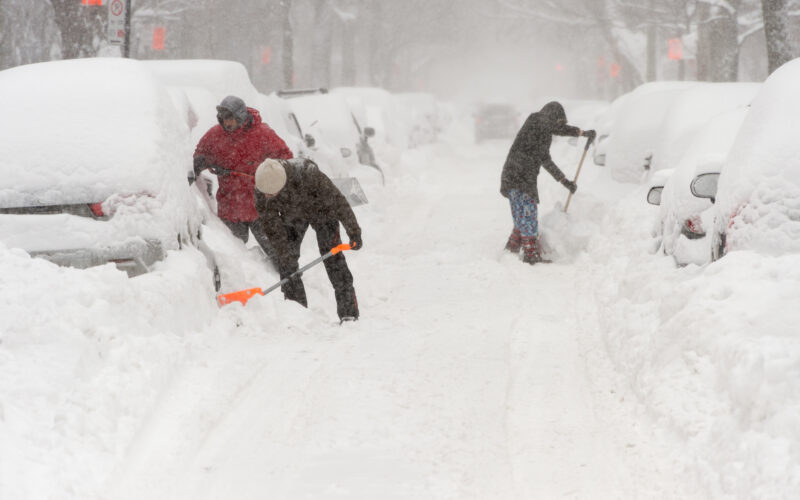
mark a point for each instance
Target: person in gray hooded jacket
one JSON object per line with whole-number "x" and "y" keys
{"x": 530, "y": 152}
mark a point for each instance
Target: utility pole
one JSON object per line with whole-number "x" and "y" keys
{"x": 126, "y": 47}
{"x": 119, "y": 25}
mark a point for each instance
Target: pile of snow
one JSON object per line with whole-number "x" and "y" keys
{"x": 711, "y": 354}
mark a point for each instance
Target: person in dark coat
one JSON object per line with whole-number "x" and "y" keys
{"x": 233, "y": 150}
{"x": 530, "y": 152}
{"x": 292, "y": 195}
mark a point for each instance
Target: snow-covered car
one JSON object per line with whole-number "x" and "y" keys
{"x": 495, "y": 120}
{"x": 654, "y": 191}
{"x": 93, "y": 166}
{"x": 605, "y": 122}
{"x": 684, "y": 218}
{"x": 220, "y": 77}
{"x": 689, "y": 114}
{"x": 422, "y": 113}
{"x": 381, "y": 111}
{"x": 634, "y": 134}
{"x": 206, "y": 82}
{"x": 335, "y": 128}
{"x": 198, "y": 86}
{"x": 757, "y": 195}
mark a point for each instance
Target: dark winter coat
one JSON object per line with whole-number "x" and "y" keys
{"x": 531, "y": 150}
{"x": 308, "y": 198}
{"x": 240, "y": 151}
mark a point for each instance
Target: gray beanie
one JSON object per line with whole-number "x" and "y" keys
{"x": 270, "y": 177}
{"x": 236, "y": 106}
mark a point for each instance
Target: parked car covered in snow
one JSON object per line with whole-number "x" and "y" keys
{"x": 94, "y": 173}
{"x": 684, "y": 219}
{"x": 220, "y": 77}
{"x": 329, "y": 119}
{"x": 634, "y": 134}
{"x": 495, "y": 120}
{"x": 423, "y": 115}
{"x": 605, "y": 122}
{"x": 381, "y": 111}
{"x": 757, "y": 195}
{"x": 689, "y": 114}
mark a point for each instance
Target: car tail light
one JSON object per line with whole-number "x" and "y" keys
{"x": 97, "y": 209}
{"x": 693, "y": 228}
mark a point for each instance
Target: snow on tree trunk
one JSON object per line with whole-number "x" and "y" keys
{"x": 779, "y": 49}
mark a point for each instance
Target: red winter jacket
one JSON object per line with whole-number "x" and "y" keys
{"x": 240, "y": 151}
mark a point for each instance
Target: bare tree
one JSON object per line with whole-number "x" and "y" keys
{"x": 779, "y": 50}
{"x": 287, "y": 56}
{"x": 81, "y": 27}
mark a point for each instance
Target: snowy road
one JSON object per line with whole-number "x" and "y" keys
{"x": 470, "y": 375}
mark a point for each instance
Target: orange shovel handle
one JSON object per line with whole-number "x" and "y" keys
{"x": 244, "y": 295}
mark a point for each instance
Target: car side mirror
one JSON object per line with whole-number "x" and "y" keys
{"x": 346, "y": 152}
{"x": 705, "y": 186}
{"x": 654, "y": 195}
{"x": 310, "y": 141}
{"x": 369, "y": 131}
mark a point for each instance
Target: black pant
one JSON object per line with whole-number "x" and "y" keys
{"x": 242, "y": 231}
{"x": 336, "y": 267}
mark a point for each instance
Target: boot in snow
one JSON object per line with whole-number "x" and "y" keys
{"x": 514, "y": 241}
{"x": 531, "y": 251}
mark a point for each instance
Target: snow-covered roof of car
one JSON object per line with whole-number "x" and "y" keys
{"x": 689, "y": 113}
{"x": 635, "y": 132}
{"x": 328, "y": 113}
{"x": 99, "y": 125}
{"x": 220, "y": 77}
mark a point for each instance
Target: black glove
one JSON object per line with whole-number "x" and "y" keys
{"x": 219, "y": 171}
{"x": 590, "y": 136}
{"x": 355, "y": 242}
{"x": 570, "y": 185}
{"x": 200, "y": 164}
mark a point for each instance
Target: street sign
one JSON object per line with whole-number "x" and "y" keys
{"x": 116, "y": 22}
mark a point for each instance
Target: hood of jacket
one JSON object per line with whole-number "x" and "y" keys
{"x": 554, "y": 113}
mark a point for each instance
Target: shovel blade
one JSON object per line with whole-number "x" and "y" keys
{"x": 239, "y": 296}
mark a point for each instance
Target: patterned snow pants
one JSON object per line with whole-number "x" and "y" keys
{"x": 525, "y": 214}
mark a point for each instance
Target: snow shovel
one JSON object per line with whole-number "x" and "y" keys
{"x": 244, "y": 295}
{"x": 575, "y": 180}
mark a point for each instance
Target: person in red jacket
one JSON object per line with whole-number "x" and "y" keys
{"x": 233, "y": 150}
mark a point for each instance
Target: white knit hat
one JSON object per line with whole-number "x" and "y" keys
{"x": 270, "y": 177}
